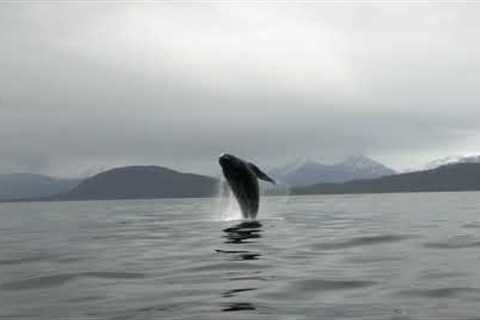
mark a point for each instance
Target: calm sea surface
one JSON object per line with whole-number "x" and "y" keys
{"x": 395, "y": 256}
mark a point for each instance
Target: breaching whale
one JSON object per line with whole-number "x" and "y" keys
{"x": 242, "y": 177}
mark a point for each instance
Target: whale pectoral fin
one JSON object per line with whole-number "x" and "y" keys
{"x": 260, "y": 174}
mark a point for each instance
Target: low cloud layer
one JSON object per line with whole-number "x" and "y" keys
{"x": 86, "y": 87}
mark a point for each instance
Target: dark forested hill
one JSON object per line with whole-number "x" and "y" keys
{"x": 141, "y": 182}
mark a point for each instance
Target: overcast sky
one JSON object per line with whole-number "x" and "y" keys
{"x": 86, "y": 86}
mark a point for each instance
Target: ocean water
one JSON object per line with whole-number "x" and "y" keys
{"x": 391, "y": 256}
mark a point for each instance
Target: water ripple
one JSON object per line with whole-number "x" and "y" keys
{"x": 457, "y": 242}
{"x": 363, "y": 241}
{"x": 60, "y": 279}
{"x": 327, "y": 257}
{"x": 24, "y": 260}
{"x": 326, "y": 285}
{"x": 240, "y": 255}
{"x": 453, "y": 292}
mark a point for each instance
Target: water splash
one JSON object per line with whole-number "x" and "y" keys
{"x": 272, "y": 199}
{"x": 227, "y": 206}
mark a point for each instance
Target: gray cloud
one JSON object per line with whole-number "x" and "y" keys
{"x": 86, "y": 86}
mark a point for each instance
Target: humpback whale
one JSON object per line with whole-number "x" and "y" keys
{"x": 242, "y": 177}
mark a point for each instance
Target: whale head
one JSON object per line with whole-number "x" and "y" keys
{"x": 233, "y": 166}
{"x": 229, "y": 162}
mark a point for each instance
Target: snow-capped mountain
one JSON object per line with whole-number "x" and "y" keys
{"x": 469, "y": 158}
{"x": 306, "y": 172}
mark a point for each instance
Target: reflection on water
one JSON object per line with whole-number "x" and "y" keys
{"x": 243, "y": 232}
{"x": 240, "y": 255}
{"x": 241, "y": 235}
{"x": 239, "y": 306}
{"x": 232, "y": 293}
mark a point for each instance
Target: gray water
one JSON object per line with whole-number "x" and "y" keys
{"x": 396, "y": 256}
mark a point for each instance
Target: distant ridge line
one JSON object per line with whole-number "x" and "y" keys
{"x": 154, "y": 182}
{"x": 451, "y": 177}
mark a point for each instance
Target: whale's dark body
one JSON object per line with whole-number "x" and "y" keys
{"x": 242, "y": 179}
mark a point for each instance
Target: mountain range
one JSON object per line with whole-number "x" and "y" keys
{"x": 469, "y": 158}
{"x": 451, "y": 177}
{"x": 308, "y": 172}
{"x": 146, "y": 182}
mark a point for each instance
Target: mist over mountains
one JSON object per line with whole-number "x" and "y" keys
{"x": 28, "y": 185}
{"x": 308, "y": 172}
{"x": 468, "y": 158}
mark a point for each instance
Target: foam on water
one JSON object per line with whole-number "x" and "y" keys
{"x": 232, "y": 211}
{"x": 226, "y": 206}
